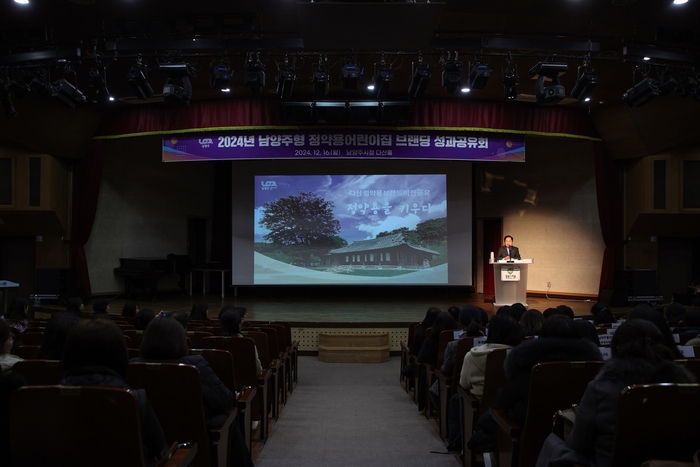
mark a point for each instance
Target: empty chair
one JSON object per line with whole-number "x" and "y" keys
{"x": 40, "y": 372}
{"x": 196, "y": 338}
{"x": 61, "y": 425}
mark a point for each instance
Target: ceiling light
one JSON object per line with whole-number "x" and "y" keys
{"x": 98, "y": 81}
{"x": 452, "y": 74}
{"x": 67, "y": 94}
{"x": 465, "y": 90}
{"x": 646, "y": 59}
{"x": 479, "y": 76}
{"x": 641, "y": 93}
{"x": 137, "y": 77}
{"x": 586, "y": 79}
{"x": 320, "y": 79}
{"x": 350, "y": 74}
{"x": 548, "y": 95}
{"x": 22, "y": 2}
{"x": 675, "y": 2}
{"x": 382, "y": 79}
{"x": 419, "y": 79}
{"x": 6, "y": 101}
{"x": 220, "y": 76}
{"x": 254, "y": 76}
{"x": 286, "y": 76}
{"x": 177, "y": 90}
{"x": 510, "y": 82}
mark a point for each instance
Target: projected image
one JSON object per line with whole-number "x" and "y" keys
{"x": 350, "y": 229}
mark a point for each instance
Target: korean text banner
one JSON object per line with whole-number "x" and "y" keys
{"x": 339, "y": 144}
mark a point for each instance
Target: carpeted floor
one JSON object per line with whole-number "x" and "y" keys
{"x": 352, "y": 414}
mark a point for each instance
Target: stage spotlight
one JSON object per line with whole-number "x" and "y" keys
{"x": 479, "y": 76}
{"x": 419, "y": 79}
{"x": 320, "y": 80}
{"x": 350, "y": 74}
{"x": 40, "y": 85}
{"x": 286, "y": 77}
{"x": 137, "y": 77}
{"x": 549, "y": 95}
{"x": 510, "y": 82}
{"x": 452, "y": 74}
{"x": 18, "y": 87}
{"x": 586, "y": 79}
{"x": 220, "y": 76}
{"x": 382, "y": 80}
{"x": 254, "y": 76}
{"x": 98, "y": 81}
{"x": 67, "y": 94}
{"x": 641, "y": 93}
{"x": 177, "y": 90}
{"x": 6, "y": 101}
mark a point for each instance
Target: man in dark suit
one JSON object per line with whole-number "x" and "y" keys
{"x": 508, "y": 251}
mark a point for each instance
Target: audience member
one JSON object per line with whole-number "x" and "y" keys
{"x": 602, "y": 314}
{"x": 7, "y": 360}
{"x": 690, "y": 326}
{"x": 419, "y": 336}
{"x": 518, "y": 310}
{"x": 454, "y": 311}
{"x": 17, "y": 309}
{"x": 531, "y": 322}
{"x": 226, "y": 308}
{"x": 587, "y": 331}
{"x": 429, "y": 351}
{"x": 646, "y": 312}
{"x": 130, "y": 310}
{"x": 144, "y": 316}
{"x": 56, "y": 333}
{"x": 180, "y": 317}
{"x": 639, "y": 356}
{"x": 199, "y": 312}
{"x": 100, "y": 306}
{"x": 95, "y": 355}
{"x": 231, "y": 326}
{"x": 75, "y": 305}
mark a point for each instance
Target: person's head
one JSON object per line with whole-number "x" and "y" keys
{"x": 96, "y": 342}
{"x": 242, "y": 312}
{"x": 559, "y": 326}
{"x": 130, "y": 309}
{"x": 180, "y": 317}
{"x": 199, "y": 311}
{"x": 17, "y": 309}
{"x": 602, "y": 314}
{"x": 566, "y": 311}
{"x": 518, "y": 310}
{"x": 454, "y": 311}
{"x": 508, "y": 310}
{"x": 470, "y": 320}
{"x": 443, "y": 322}
{"x": 75, "y": 305}
{"x": 504, "y": 329}
{"x": 144, "y": 316}
{"x": 230, "y": 323}
{"x": 6, "y": 338}
{"x": 648, "y": 313}
{"x": 484, "y": 317}
{"x": 692, "y": 318}
{"x": 640, "y": 338}
{"x": 674, "y": 313}
{"x": 549, "y": 312}
{"x": 100, "y": 306}
{"x": 57, "y": 330}
{"x": 508, "y": 241}
{"x": 226, "y": 308}
{"x": 430, "y": 316}
{"x": 531, "y": 322}
{"x": 587, "y": 330}
{"x": 164, "y": 339}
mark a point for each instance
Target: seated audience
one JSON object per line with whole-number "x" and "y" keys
{"x": 7, "y": 360}
{"x": 587, "y": 330}
{"x": 130, "y": 310}
{"x": 690, "y": 326}
{"x": 602, "y": 314}
{"x": 648, "y": 313}
{"x": 144, "y": 316}
{"x": 199, "y": 312}
{"x": 674, "y": 314}
{"x": 100, "y": 306}
{"x": 429, "y": 351}
{"x": 419, "y": 335}
{"x": 531, "y": 322}
{"x": 639, "y": 356}
{"x": 95, "y": 355}
{"x": 518, "y": 310}
{"x": 165, "y": 340}
{"x": 17, "y": 309}
{"x": 56, "y": 333}
{"x": 454, "y": 311}
{"x": 75, "y": 305}
{"x": 231, "y": 326}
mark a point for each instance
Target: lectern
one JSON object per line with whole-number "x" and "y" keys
{"x": 510, "y": 281}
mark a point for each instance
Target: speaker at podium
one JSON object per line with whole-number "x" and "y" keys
{"x": 510, "y": 281}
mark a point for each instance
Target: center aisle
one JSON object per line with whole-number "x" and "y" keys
{"x": 350, "y": 414}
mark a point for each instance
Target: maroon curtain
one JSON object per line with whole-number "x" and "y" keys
{"x": 611, "y": 212}
{"x": 87, "y": 176}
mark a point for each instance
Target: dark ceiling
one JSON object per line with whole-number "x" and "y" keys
{"x": 46, "y": 34}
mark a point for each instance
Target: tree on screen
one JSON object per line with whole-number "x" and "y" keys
{"x": 304, "y": 220}
{"x": 432, "y": 231}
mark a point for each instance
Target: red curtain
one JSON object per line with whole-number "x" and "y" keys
{"x": 87, "y": 176}
{"x": 610, "y": 211}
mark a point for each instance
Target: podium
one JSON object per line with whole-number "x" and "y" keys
{"x": 510, "y": 281}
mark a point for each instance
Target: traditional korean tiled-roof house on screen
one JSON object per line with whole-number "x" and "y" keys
{"x": 390, "y": 251}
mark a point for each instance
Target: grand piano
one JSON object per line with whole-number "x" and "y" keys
{"x": 143, "y": 274}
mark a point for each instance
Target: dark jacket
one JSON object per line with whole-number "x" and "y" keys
{"x": 514, "y": 394}
{"x": 152, "y": 435}
{"x": 418, "y": 339}
{"x": 429, "y": 351}
{"x": 591, "y": 439}
{"x": 503, "y": 252}
{"x": 217, "y": 398}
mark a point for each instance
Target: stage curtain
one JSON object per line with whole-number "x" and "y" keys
{"x": 611, "y": 212}
{"x": 87, "y": 176}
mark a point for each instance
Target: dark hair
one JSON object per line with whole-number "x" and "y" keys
{"x": 5, "y": 334}
{"x": 549, "y": 312}
{"x": 692, "y": 318}
{"x": 508, "y": 310}
{"x": 602, "y": 314}
{"x": 164, "y": 339}
{"x": 100, "y": 306}
{"x": 587, "y": 331}
{"x": 199, "y": 311}
{"x": 430, "y": 316}
{"x": 73, "y": 305}
{"x": 230, "y": 323}
{"x": 648, "y": 313}
{"x": 96, "y": 342}
{"x": 57, "y": 330}
{"x": 484, "y": 316}
{"x": 226, "y": 308}
{"x": 470, "y": 320}
{"x": 640, "y": 338}
{"x": 144, "y": 316}
{"x": 129, "y": 309}
{"x": 454, "y": 311}
{"x": 443, "y": 322}
{"x": 507, "y": 236}
{"x": 15, "y": 309}
{"x": 531, "y": 322}
{"x": 504, "y": 329}
{"x": 241, "y": 310}
{"x": 566, "y": 311}
{"x": 518, "y": 310}
{"x": 180, "y": 317}
{"x": 559, "y": 326}
{"x": 674, "y": 313}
